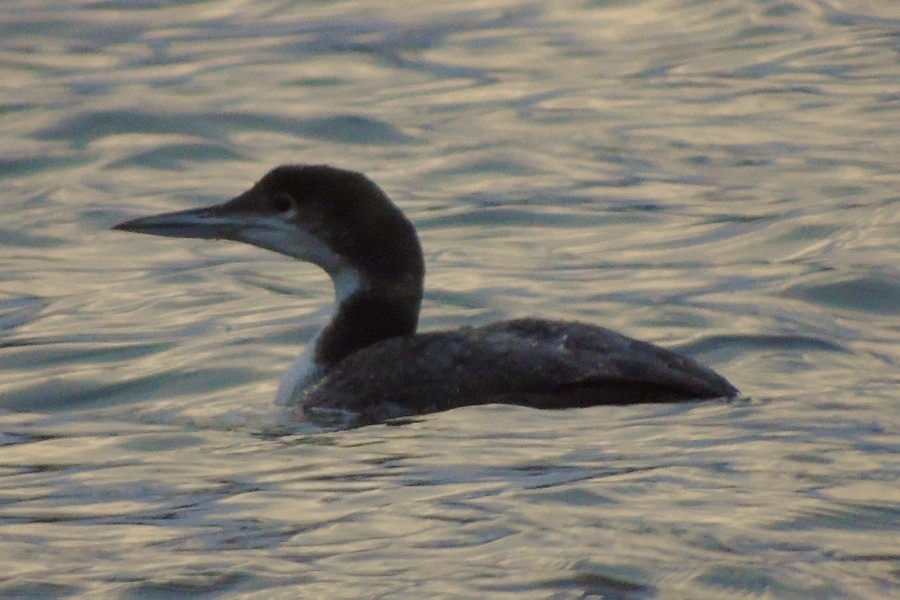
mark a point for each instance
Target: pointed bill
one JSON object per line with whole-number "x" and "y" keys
{"x": 241, "y": 220}
{"x": 208, "y": 223}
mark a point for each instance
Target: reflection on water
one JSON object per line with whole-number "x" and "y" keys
{"x": 715, "y": 176}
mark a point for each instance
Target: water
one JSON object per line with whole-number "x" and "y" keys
{"x": 718, "y": 176}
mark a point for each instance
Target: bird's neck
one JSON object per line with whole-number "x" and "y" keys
{"x": 366, "y": 313}
{"x": 364, "y": 318}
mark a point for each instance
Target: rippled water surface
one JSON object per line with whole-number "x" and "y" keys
{"x": 717, "y": 176}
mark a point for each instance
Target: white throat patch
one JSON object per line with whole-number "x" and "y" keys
{"x": 302, "y": 373}
{"x": 306, "y": 371}
{"x": 347, "y": 281}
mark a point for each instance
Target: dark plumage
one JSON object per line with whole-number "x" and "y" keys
{"x": 528, "y": 362}
{"x": 368, "y": 365}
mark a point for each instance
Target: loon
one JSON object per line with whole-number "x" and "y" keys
{"x": 369, "y": 365}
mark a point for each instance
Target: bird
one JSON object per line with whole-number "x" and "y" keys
{"x": 369, "y": 364}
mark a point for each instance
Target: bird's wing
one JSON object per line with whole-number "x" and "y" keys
{"x": 544, "y": 364}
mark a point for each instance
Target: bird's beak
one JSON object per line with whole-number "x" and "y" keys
{"x": 210, "y": 223}
{"x": 239, "y": 220}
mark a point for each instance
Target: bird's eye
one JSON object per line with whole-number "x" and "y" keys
{"x": 282, "y": 203}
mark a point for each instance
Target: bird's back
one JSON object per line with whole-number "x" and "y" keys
{"x": 530, "y": 362}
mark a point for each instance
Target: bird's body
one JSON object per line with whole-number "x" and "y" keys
{"x": 528, "y": 362}
{"x": 369, "y": 364}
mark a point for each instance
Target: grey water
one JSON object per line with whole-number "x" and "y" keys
{"x": 717, "y": 176}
